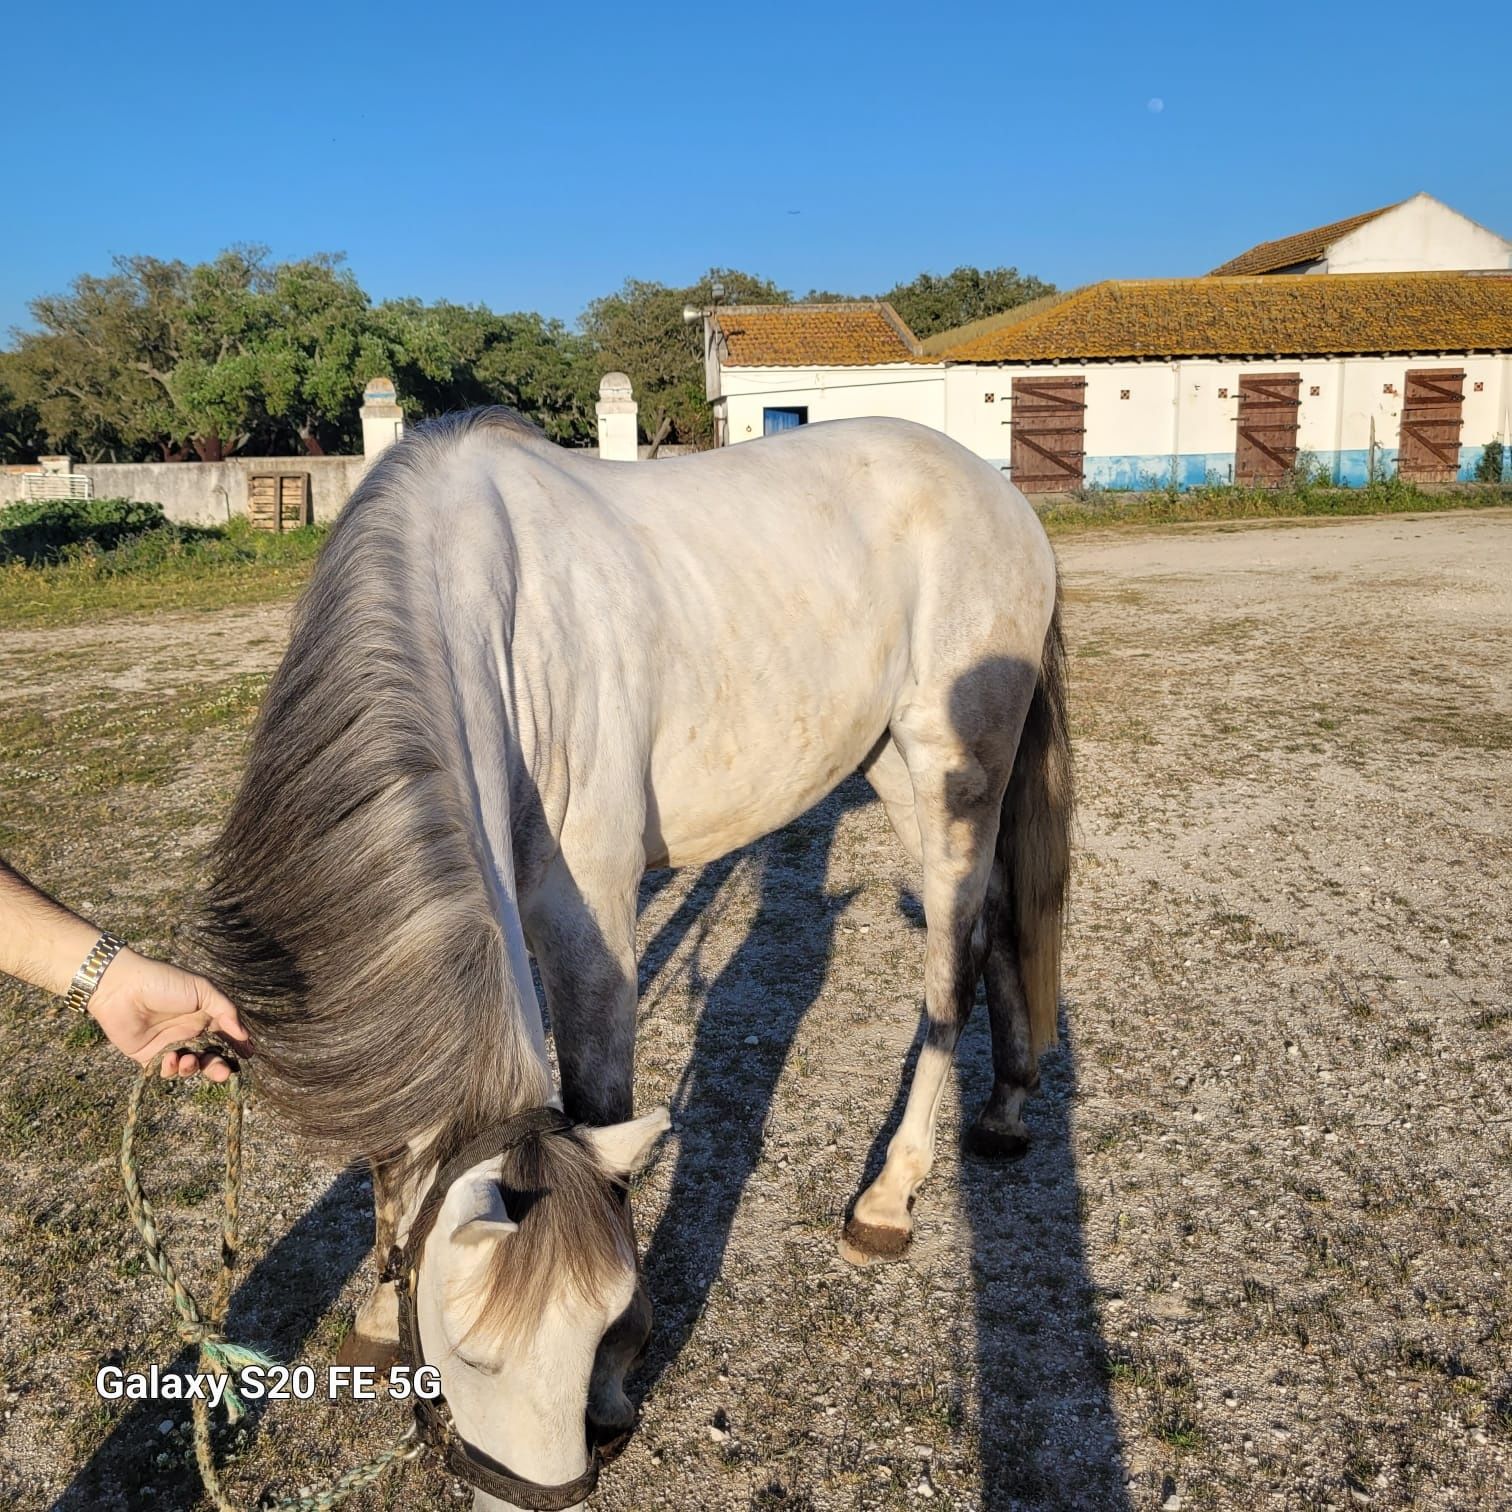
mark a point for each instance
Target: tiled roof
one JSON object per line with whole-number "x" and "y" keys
{"x": 1279, "y": 315}
{"x": 1304, "y": 246}
{"x": 942, "y": 341}
{"x": 813, "y": 335}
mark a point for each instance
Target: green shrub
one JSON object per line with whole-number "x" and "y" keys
{"x": 167, "y": 566}
{"x": 44, "y": 530}
{"x": 1492, "y": 460}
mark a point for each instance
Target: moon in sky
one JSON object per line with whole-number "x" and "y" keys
{"x": 1155, "y": 106}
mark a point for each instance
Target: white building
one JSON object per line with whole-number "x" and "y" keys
{"x": 1139, "y": 383}
{"x": 1417, "y": 235}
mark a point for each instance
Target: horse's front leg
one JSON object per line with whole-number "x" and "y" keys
{"x": 581, "y": 925}
{"x": 374, "y": 1336}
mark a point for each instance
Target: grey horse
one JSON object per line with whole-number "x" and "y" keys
{"x": 520, "y": 677}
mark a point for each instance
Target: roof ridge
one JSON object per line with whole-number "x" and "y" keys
{"x": 799, "y": 304}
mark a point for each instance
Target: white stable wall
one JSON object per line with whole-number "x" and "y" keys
{"x": 1421, "y": 235}
{"x": 904, "y": 391}
{"x": 1176, "y": 421}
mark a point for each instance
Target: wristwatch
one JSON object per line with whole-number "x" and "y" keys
{"x": 87, "y": 977}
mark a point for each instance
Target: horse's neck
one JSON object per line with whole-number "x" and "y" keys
{"x": 480, "y": 667}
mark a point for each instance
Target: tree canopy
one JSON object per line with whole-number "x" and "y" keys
{"x": 931, "y": 303}
{"x": 243, "y": 354}
{"x": 640, "y": 331}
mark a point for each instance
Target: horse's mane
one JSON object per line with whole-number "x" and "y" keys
{"x": 348, "y": 914}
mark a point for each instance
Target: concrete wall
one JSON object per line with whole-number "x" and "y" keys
{"x": 207, "y": 493}
{"x": 1419, "y": 235}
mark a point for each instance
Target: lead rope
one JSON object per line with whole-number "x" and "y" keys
{"x": 217, "y": 1354}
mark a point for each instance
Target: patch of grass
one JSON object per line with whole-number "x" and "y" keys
{"x": 1231, "y": 502}
{"x": 1175, "y": 1425}
{"x": 120, "y": 738}
{"x": 82, "y": 1033}
{"x": 170, "y": 567}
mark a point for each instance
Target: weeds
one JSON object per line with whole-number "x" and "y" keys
{"x": 1300, "y": 496}
{"x": 164, "y": 568}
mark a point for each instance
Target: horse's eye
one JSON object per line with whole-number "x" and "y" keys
{"x": 482, "y": 1365}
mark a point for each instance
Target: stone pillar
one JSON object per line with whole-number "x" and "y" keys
{"x": 382, "y": 419}
{"x": 616, "y": 410}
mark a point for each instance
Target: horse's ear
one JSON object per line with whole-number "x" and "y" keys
{"x": 623, "y": 1149}
{"x": 475, "y": 1209}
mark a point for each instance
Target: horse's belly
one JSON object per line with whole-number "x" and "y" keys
{"x": 718, "y": 784}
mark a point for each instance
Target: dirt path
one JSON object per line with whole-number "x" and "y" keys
{"x": 1257, "y": 1256}
{"x": 140, "y": 653}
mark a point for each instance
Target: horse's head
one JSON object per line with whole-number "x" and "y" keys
{"x": 528, "y": 1265}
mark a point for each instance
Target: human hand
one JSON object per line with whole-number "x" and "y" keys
{"x": 144, "y": 1006}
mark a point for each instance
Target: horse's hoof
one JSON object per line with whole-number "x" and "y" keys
{"x": 992, "y": 1142}
{"x": 359, "y": 1349}
{"x": 863, "y": 1243}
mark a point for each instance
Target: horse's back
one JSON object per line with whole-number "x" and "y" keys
{"x": 774, "y": 604}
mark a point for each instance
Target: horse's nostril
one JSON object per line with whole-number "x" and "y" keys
{"x": 609, "y": 1441}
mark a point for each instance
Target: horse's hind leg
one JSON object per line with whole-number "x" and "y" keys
{"x": 958, "y": 786}
{"x": 999, "y": 1131}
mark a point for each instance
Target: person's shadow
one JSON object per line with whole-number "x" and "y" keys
{"x": 1048, "y": 1433}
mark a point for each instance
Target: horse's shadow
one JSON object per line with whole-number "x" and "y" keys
{"x": 135, "y": 1466}
{"x": 1048, "y": 1433}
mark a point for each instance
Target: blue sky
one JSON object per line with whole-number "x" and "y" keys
{"x": 531, "y": 157}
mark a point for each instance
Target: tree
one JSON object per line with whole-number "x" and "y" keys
{"x": 460, "y": 356}
{"x": 640, "y": 332}
{"x": 929, "y": 303}
{"x": 80, "y": 372}
{"x": 214, "y": 343}
{"x": 21, "y": 434}
{"x": 318, "y": 345}
{"x": 157, "y": 355}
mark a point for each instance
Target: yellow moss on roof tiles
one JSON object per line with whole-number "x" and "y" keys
{"x": 834, "y": 335}
{"x": 1301, "y": 247}
{"x": 1295, "y": 315}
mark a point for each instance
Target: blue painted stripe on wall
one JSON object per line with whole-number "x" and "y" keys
{"x": 1348, "y": 469}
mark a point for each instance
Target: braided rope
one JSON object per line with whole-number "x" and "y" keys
{"x": 218, "y": 1355}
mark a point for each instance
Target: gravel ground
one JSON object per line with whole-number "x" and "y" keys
{"x": 1257, "y": 1255}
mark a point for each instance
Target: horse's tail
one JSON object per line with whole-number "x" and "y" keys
{"x": 350, "y": 914}
{"x": 1034, "y": 839}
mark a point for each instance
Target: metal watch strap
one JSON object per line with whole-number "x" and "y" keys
{"x": 87, "y": 977}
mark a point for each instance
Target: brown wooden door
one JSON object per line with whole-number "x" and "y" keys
{"x": 1266, "y": 448}
{"x": 1049, "y": 433}
{"x": 1432, "y": 411}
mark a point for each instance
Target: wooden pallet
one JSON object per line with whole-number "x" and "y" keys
{"x": 279, "y": 501}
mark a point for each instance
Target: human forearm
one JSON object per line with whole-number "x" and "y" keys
{"x": 144, "y": 1006}
{"x": 40, "y": 941}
